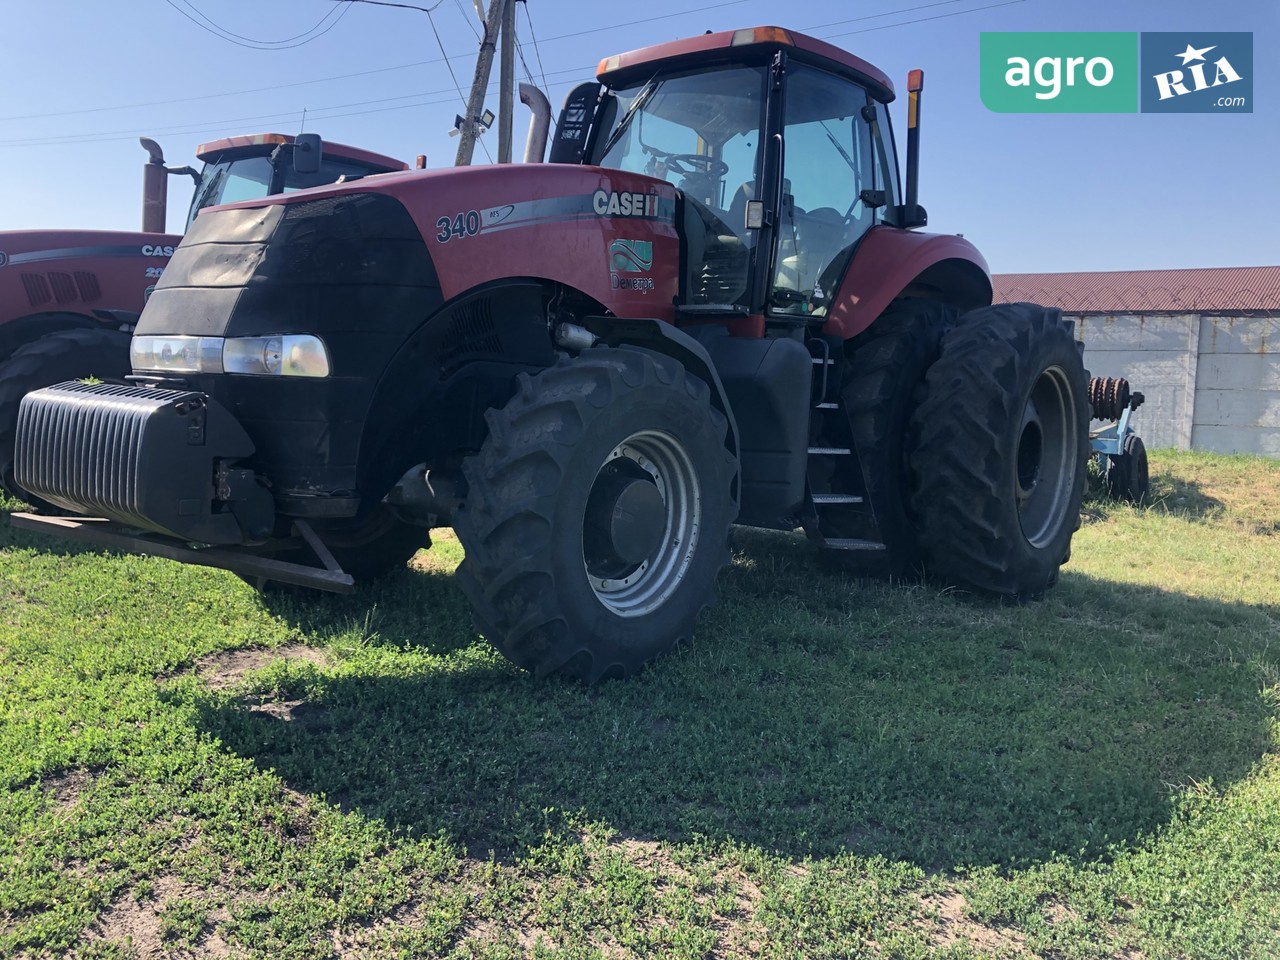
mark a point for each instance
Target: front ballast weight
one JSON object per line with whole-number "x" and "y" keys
{"x": 157, "y": 459}
{"x": 1119, "y": 451}
{"x": 156, "y": 472}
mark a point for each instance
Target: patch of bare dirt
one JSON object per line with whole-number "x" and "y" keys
{"x": 66, "y": 787}
{"x": 227, "y": 667}
{"x": 137, "y": 926}
{"x": 954, "y": 926}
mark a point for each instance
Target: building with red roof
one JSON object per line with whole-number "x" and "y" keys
{"x": 1203, "y": 346}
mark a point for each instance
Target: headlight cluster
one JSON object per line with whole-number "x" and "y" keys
{"x": 283, "y": 355}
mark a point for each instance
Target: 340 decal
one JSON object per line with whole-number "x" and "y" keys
{"x": 465, "y": 224}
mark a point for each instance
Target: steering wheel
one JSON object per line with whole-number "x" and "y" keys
{"x": 693, "y": 164}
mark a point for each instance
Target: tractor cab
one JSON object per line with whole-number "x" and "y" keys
{"x": 249, "y": 167}
{"x": 780, "y": 146}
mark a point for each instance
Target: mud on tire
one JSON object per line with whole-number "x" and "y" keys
{"x": 597, "y": 514}
{"x": 65, "y": 355}
{"x": 1002, "y": 447}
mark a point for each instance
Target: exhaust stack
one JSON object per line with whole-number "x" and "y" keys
{"x": 535, "y": 147}
{"x": 155, "y": 188}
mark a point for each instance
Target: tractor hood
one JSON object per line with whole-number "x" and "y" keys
{"x": 556, "y": 222}
{"x": 323, "y": 265}
{"x": 20, "y": 247}
{"x": 73, "y": 273}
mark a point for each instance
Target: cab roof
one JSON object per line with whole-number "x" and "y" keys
{"x": 728, "y": 46}
{"x": 259, "y": 142}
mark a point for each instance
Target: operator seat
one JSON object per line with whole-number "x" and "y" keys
{"x": 717, "y": 257}
{"x": 738, "y": 208}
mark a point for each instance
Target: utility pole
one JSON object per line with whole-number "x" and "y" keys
{"x": 506, "y": 99}
{"x": 484, "y": 65}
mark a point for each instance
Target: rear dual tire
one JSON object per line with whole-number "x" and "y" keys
{"x": 1001, "y": 451}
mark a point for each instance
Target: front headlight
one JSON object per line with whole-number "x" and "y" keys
{"x": 282, "y": 355}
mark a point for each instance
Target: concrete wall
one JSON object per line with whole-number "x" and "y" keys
{"x": 1211, "y": 383}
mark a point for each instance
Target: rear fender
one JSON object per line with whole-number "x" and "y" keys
{"x": 891, "y": 263}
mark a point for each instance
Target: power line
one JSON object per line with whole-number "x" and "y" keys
{"x": 523, "y": 62}
{"x": 218, "y": 96}
{"x": 631, "y": 23}
{"x": 316, "y": 113}
{"x": 457, "y": 86}
{"x": 423, "y": 63}
{"x": 253, "y": 44}
{"x": 941, "y": 16}
{"x": 335, "y": 77}
{"x": 887, "y": 13}
{"x": 467, "y": 17}
{"x": 388, "y": 3}
{"x": 223, "y": 30}
{"x": 439, "y": 43}
{"x": 534, "y": 37}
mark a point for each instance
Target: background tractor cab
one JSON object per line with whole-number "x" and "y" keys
{"x": 254, "y": 166}
{"x": 782, "y": 152}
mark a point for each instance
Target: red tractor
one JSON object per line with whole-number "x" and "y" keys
{"x": 69, "y": 299}
{"x": 712, "y": 306}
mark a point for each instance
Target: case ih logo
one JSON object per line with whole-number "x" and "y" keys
{"x": 1197, "y": 73}
{"x": 610, "y": 203}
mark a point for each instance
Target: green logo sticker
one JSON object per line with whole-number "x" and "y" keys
{"x": 631, "y": 256}
{"x": 1059, "y": 72}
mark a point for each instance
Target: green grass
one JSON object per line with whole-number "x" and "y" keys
{"x": 834, "y": 769}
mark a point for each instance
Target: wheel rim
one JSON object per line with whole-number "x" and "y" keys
{"x": 1045, "y": 459}
{"x": 641, "y": 524}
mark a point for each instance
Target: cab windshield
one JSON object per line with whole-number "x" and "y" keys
{"x": 249, "y": 178}
{"x": 700, "y": 132}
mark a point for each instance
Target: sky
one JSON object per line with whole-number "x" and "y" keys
{"x": 83, "y": 79}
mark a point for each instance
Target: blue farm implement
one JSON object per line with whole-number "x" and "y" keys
{"x": 1121, "y": 455}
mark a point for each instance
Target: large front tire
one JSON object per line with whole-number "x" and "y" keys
{"x": 1002, "y": 447}
{"x": 64, "y": 355}
{"x": 597, "y": 514}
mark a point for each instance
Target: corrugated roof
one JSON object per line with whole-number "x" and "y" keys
{"x": 1203, "y": 290}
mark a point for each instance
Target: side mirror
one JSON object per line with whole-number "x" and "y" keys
{"x": 308, "y": 150}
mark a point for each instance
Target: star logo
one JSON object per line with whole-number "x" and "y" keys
{"x": 1191, "y": 53}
